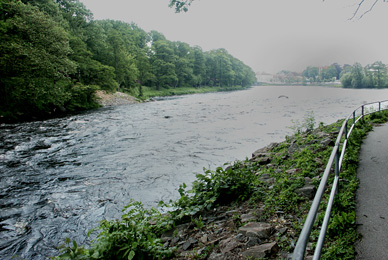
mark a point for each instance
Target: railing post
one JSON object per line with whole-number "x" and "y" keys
{"x": 346, "y": 130}
{"x": 362, "y": 112}
{"x": 379, "y": 106}
{"x": 354, "y": 117}
{"x": 337, "y": 156}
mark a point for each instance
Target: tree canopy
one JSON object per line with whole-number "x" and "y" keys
{"x": 54, "y": 56}
{"x": 371, "y": 76}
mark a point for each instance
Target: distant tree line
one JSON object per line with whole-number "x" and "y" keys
{"x": 370, "y": 76}
{"x": 322, "y": 74}
{"x": 54, "y": 56}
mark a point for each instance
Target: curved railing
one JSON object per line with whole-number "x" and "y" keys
{"x": 336, "y": 158}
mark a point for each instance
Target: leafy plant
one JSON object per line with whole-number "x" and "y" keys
{"x": 307, "y": 124}
{"x": 213, "y": 188}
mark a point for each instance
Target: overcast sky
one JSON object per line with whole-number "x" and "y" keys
{"x": 267, "y": 35}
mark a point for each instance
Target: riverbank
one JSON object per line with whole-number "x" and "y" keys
{"x": 119, "y": 98}
{"x": 114, "y": 99}
{"x": 253, "y": 208}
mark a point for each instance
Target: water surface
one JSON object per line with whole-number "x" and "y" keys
{"x": 60, "y": 177}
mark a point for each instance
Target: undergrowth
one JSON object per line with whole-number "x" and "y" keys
{"x": 137, "y": 235}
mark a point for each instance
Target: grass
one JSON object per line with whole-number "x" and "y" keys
{"x": 152, "y": 92}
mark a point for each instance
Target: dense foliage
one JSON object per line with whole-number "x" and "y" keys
{"x": 322, "y": 74}
{"x": 371, "y": 76}
{"x": 53, "y": 56}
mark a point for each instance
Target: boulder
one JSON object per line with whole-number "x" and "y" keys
{"x": 327, "y": 142}
{"x": 261, "y": 251}
{"x": 228, "y": 245}
{"x": 256, "y": 229}
{"x": 307, "y": 191}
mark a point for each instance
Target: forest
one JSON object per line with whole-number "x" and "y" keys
{"x": 54, "y": 56}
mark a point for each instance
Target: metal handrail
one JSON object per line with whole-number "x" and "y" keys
{"x": 336, "y": 157}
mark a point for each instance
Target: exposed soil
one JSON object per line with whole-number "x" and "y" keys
{"x": 114, "y": 99}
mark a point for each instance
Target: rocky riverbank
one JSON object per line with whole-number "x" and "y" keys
{"x": 252, "y": 209}
{"x": 253, "y": 229}
{"x": 114, "y": 99}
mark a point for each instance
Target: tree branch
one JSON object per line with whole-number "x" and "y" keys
{"x": 357, "y": 11}
{"x": 180, "y": 5}
{"x": 370, "y": 9}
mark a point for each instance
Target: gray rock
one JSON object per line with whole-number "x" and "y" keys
{"x": 256, "y": 229}
{"x": 261, "y": 251}
{"x": 228, "y": 244}
{"x": 293, "y": 171}
{"x": 248, "y": 218}
{"x": 307, "y": 191}
{"x": 253, "y": 241}
{"x": 261, "y": 160}
{"x": 189, "y": 243}
{"x": 216, "y": 256}
{"x": 267, "y": 178}
{"x": 327, "y": 142}
{"x": 204, "y": 238}
{"x": 307, "y": 180}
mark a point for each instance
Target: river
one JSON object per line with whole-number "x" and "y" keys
{"x": 60, "y": 177}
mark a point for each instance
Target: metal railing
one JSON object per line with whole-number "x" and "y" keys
{"x": 336, "y": 158}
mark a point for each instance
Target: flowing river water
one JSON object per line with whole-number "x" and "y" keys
{"x": 60, "y": 177}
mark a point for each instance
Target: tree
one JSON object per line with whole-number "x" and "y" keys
{"x": 34, "y": 60}
{"x": 329, "y": 73}
{"x": 311, "y": 73}
{"x": 357, "y": 75}
{"x": 180, "y": 5}
{"x": 376, "y": 75}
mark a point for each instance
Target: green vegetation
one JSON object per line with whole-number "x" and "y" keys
{"x": 323, "y": 74}
{"x": 371, "y": 76}
{"x": 271, "y": 184}
{"x": 54, "y": 56}
{"x": 151, "y": 92}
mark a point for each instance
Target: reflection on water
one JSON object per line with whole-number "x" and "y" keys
{"x": 60, "y": 177}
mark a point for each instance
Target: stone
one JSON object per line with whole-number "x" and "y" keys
{"x": 307, "y": 180}
{"x": 293, "y": 147}
{"x": 216, "y": 256}
{"x": 327, "y": 142}
{"x": 248, "y": 218}
{"x": 319, "y": 161}
{"x": 262, "y": 160}
{"x": 189, "y": 243}
{"x": 267, "y": 178}
{"x": 204, "y": 239}
{"x": 307, "y": 191}
{"x": 228, "y": 244}
{"x": 265, "y": 150}
{"x": 256, "y": 229}
{"x": 259, "y": 154}
{"x": 293, "y": 171}
{"x": 253, "y": 241}
{"x": 261, "y": 251}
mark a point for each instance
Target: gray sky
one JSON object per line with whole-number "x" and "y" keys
{"x": 268, "y": 35}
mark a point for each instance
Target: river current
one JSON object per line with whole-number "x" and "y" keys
{"x": 60, "y": 177}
